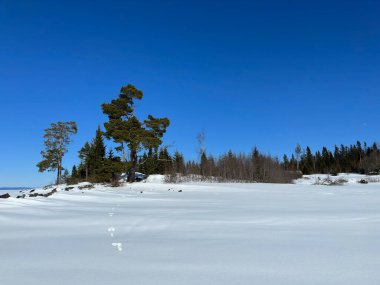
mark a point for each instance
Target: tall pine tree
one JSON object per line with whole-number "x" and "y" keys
{"x": 124, "y": 127}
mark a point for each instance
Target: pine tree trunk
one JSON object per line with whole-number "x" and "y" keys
{"x": 123, "y": 159}
{"x": 132, "y": 176}
{"x": 57, "y": 181}
{"x": 59, "y": 172}
{"x": 60, "y": 157}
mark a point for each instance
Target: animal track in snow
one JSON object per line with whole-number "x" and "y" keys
{"x": 111, "y": 230}
{"x": 118, "y": 245}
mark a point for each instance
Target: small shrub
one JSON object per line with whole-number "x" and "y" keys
{"x": 115, "y": 183}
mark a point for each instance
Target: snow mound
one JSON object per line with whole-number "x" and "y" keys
{"x": 156, "y": 178}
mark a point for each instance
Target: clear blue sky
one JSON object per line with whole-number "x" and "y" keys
{"x": 265, "y": 73}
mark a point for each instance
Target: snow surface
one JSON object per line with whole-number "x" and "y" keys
{"x": 206, "y": 234}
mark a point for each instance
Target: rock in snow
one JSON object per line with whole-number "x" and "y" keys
{"x": 5, "y": 196}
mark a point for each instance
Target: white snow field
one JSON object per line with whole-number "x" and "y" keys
{"x": 265, "y": 234}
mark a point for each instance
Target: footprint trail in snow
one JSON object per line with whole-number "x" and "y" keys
{"x": 111, "y": 230}
{"x": 118, "y": 245}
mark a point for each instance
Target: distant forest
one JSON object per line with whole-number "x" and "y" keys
{"x": 258, "y": 167}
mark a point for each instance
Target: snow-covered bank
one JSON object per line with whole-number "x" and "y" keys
{"x": 341, "y": 178}
{"x": 151, "y": 233}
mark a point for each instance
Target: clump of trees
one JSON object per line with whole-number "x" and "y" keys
{"x": 95, "y": 164}
{"x": 130, "y": 134}
{"x": 125, "y": 128}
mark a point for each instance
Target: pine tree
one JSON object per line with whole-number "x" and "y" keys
{"x": 124, "y": 127}
{"x": 57, "y": 139}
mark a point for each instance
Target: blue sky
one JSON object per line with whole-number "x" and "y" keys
{"x": 264, "y": 73}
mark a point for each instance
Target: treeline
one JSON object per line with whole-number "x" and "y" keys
{"x": 140, "y": 145}
{"x": 98, "y": 166}
{"x": 259, "y": 167}
{"x": 356, "y": 158}
{"x": 252, "y": 167}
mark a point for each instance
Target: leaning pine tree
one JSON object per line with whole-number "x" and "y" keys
{"x": 124, "y": 127}
{"x": 57, "y": 138}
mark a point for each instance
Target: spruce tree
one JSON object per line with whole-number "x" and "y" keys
{"x": 65, "y": 176}
{"x": 85, "y": 156}
{"x": 92, "y": 156}
{"x": 98, "y": 154}
{"x": 286, "y": 162}
{"x": 204, "y": 164}
{"x": 164, "y": 161}
{"x": 307, "y": 162}
{"x": 179, "y": 163}
{"x": 74, "y": 172}
{"x": 110, "y": 155}
{"x": 98, "y": 148}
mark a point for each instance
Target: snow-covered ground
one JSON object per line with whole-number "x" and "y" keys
{"x": 150, "y": 233}
{"x": 343, "y": 178}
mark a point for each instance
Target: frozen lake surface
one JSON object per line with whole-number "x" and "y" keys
{"x": 207, "y": 234}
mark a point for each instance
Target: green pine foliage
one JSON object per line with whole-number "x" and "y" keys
{"x": 57, "y": 138}
{"x": 125, "y": 128}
